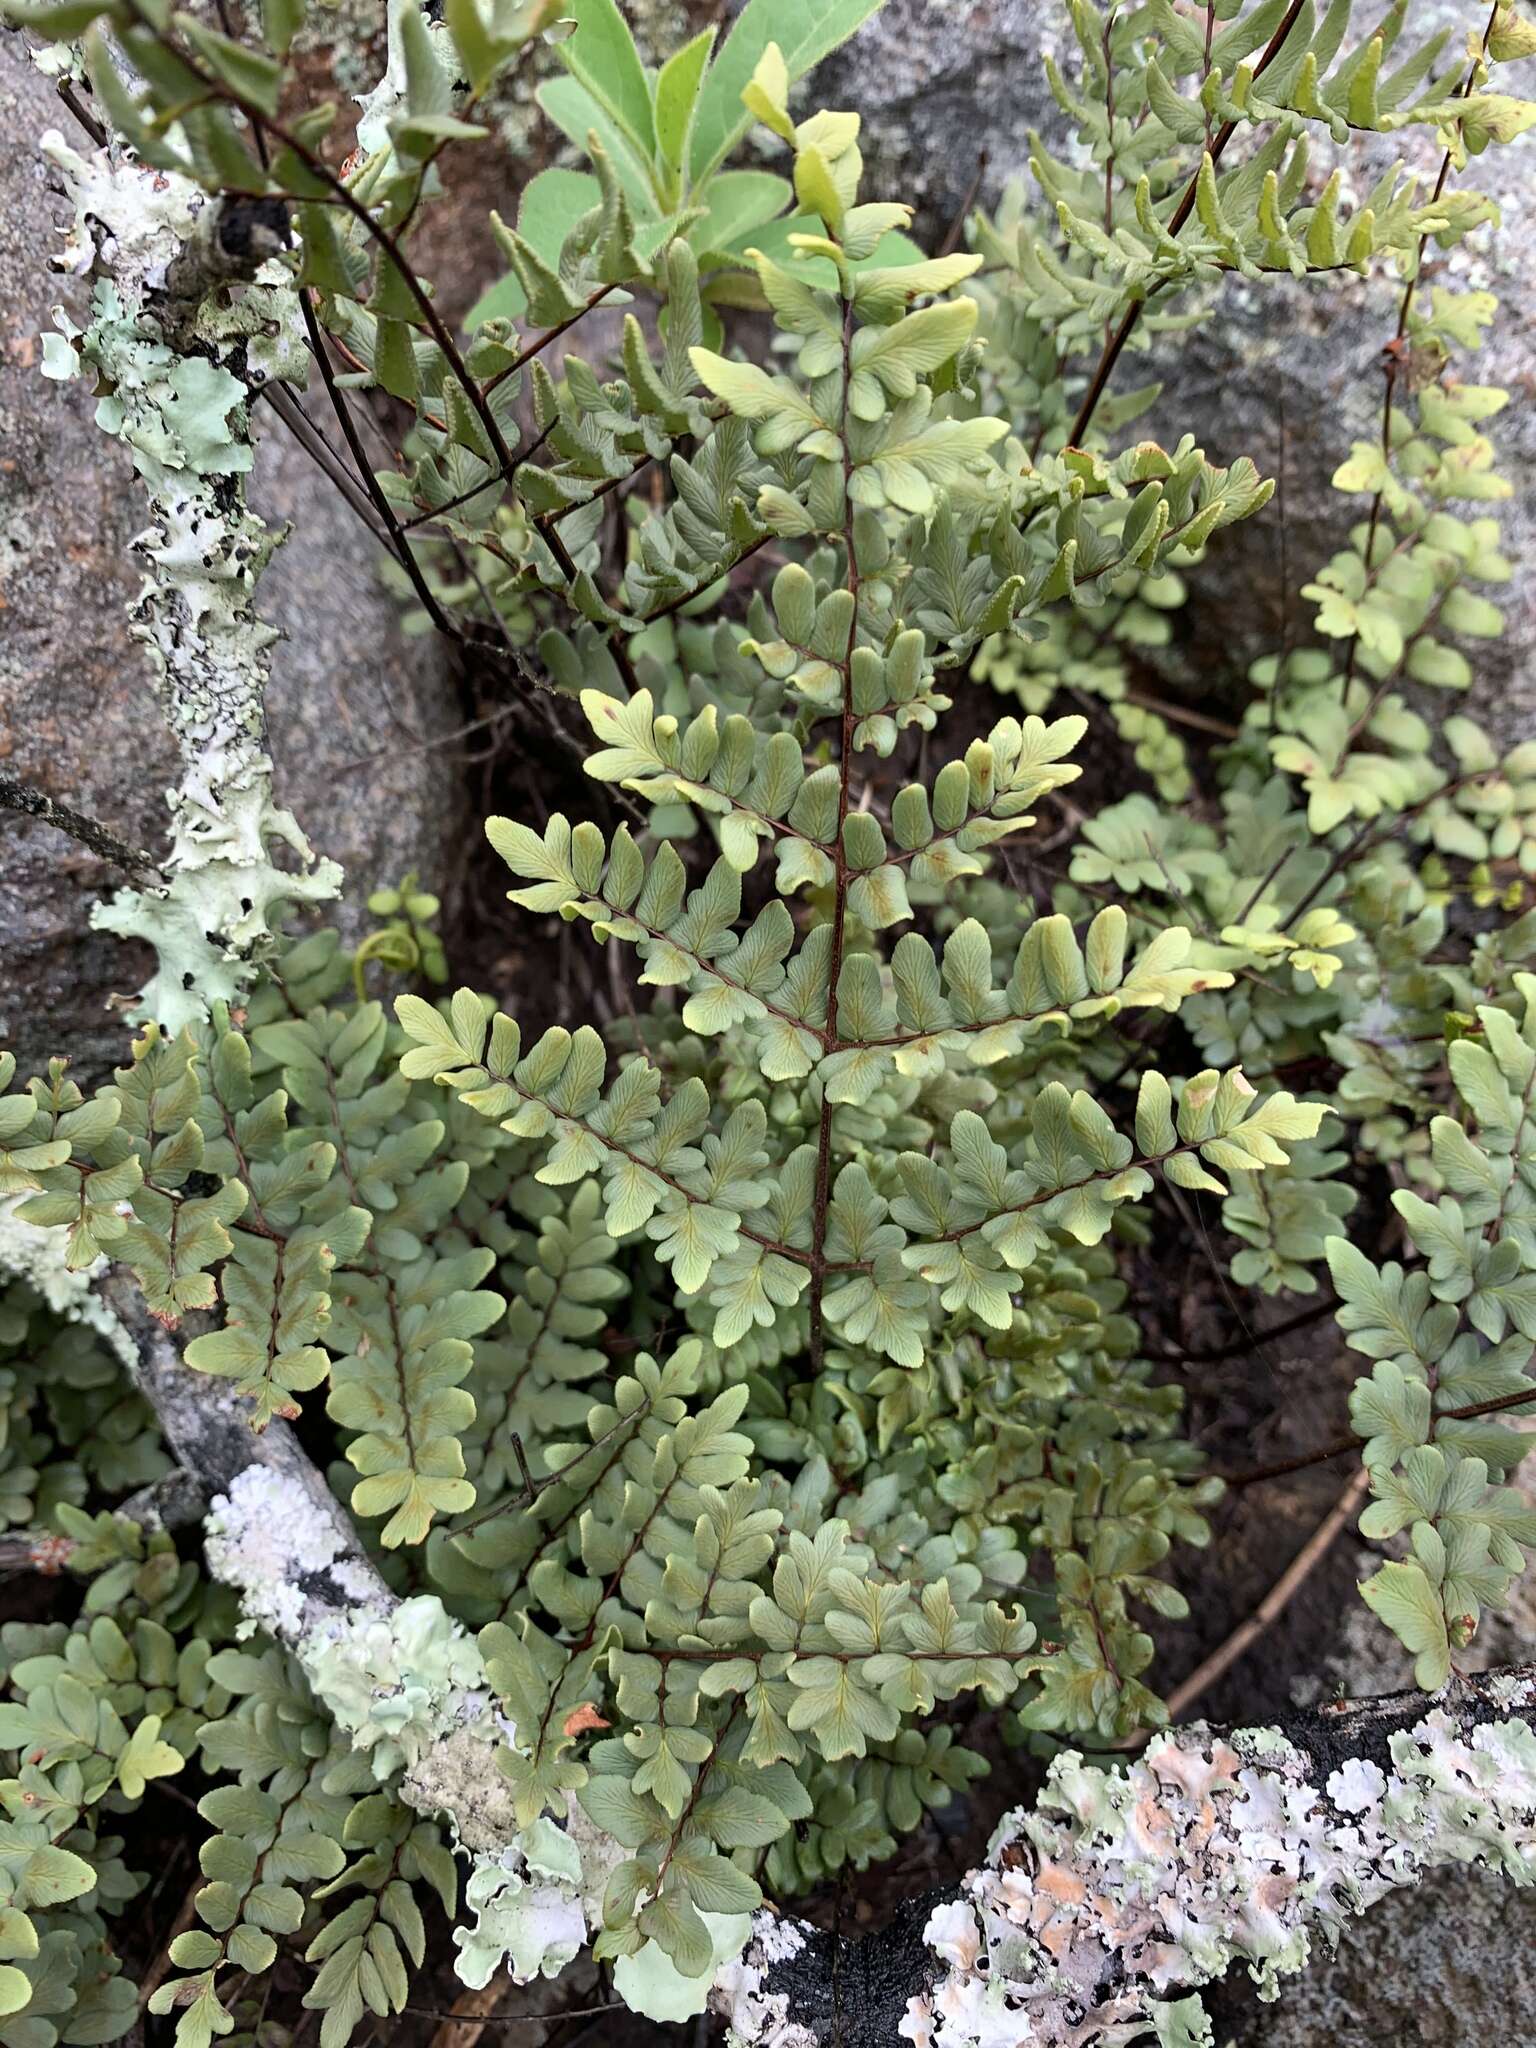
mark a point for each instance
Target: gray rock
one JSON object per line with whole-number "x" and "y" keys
{"x": 1452, "y": 1961}
{"x": 1289, "y": 375}
{"x": 1446, "y": 1965}
{"x": 938, "y": 84}
{"x": 77, "y": 717}
{"x": 353, "y": 704}
{"x": 75, "y": 714}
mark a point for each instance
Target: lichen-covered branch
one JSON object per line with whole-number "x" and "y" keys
{"x": 277, "y": 1534}
{"x": 1099, "y": 1911}
{"x": 177, "y": 359}
{"x": 1102, "y": 1908}
{"x": 400, "y": 1676}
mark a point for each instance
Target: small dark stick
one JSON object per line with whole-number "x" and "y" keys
{"x": 30, "y": 802}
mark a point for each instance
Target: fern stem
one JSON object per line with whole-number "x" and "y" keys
{"x": 1114, "y": 348}
{"x": 1523, "y": 1397}
{"x": 1275, "y": 1601}
{"x": 388, "y": 242}
{"x": 839, "y": 864}
{"x": 29, "y": 802}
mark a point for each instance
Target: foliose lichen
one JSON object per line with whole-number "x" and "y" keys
{"x": 389, "y": 97}
{"x": 650, "y": 1983}
{"x": 398, "y": 1682}
{"x": 528, "y": 1909}
{"x": 399, "y": 1676}
{"x": 408, "y": 1684}
{"x": 178, "y": 360}
{"x": 751, "y": 2011}
{"x": 271, "y": 1540}
{"x": 1121, "y": 1889}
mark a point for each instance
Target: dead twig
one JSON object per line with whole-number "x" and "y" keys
{"x": 465, "y": 2022}
{"x": 30, "y": 802}
{"x": 1215, "y": 1354}
{"x": 956, "y": 228}
{"x": 154, "y": 1975}
{"x": 1275, "y": 1601}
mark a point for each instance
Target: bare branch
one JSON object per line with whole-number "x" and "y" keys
{"x": 31, "y": 802}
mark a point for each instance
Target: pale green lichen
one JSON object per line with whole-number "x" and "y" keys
{"x": 650, "y": 1983}
{"x": 398, "y": 1683}
{"x": 390, "y": 97}
{"x": 528, "y": 1909}
{"x": 1263, "y": 1742}
{"x": 535, "y": 1895}
{"x": 275, "y": 1541}
{"x": 460, "y": 1778}
{"x": 400, "y": 1677}
{"x": 532, "y": 1930}
{"x": 1183, "y": 2024}
{"x": 178, "y": 399}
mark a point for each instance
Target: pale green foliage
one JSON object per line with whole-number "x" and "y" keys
{"x": 758, "y": 1376}
{"x": 1344, "y": 946}
{"x": 1450, "y": 1334}
{"x": 1085, "y": 657}
{"x": 96, "y": 1713}
{"x": 302, "y": 1809}
{"x": 751, "y": 1642}
{"x": 1171, "y": 99}
{"x": 669, "y": 135}
{"x": 67, "y": 1424}
{"x": 1285, "y": 1219}
{"x": 135, "y": 1690}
